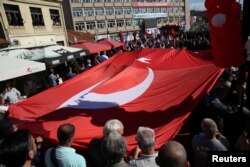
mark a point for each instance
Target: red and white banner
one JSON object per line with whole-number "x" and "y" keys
{"x": 157, "y": 88}
{"x": 152, "y": 4}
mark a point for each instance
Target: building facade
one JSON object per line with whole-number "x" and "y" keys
{"x": 103, "y": 17}
{"x": 32, "y": 23}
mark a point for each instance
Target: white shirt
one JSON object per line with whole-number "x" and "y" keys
{"x": 12, "y": 95}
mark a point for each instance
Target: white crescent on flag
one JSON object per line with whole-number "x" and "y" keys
{"x": 90, "y": 100}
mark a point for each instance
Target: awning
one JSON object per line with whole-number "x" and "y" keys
{"x": 92, "y": 47}
{"x": 109, "y": 42}
{"x": 13, "y": 67}
{"x": 53, "y": 55}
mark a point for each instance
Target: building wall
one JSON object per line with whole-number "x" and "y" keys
{"x": 85, "y": 17}
{"x": 30, "y": 34}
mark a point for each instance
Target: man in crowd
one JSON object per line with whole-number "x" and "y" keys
{"x": 114, "y": 150}
{"x": 53, "y": 79}
{"x": 172, "y": 154}
{"x": 95, "y": 155}
{"x": 64, "y": 155}
{"x": 209, "y": 140}
{"x": 18, "y": 149}
{"x": 146, "y": 141}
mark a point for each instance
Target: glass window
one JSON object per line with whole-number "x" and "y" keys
{"x": 90, "y": 25}
{"x": 98, "y": 1}
{"x": 171, "y": 19}
{"x": 159, "y": 20}
{"x": 89, "y": 12}
{"x": 126, "y": 1}
{"x": 164, "y": 10}
{"x": 128, "y": 22}
{"x": 118, "y": 11}
{"x": 142, "y": 10}
{"x": 86, "y": 1}
{"x": 55, "y": 17}
{"x": 101, "y": 24}
{"x": 13, "y": 15}
{"x": 164, "y": 20}
{"x": 79, "y": 26}
{"x": 136, "y": 22}
{"x": 175, "y": 9}
{"x": 181, "y": 10}
{"x": 157, "y": 10}
{"x": 107, "y": 0}
{"x": 77, "y": 12}
{"x": 120, "y": 23}
{"x": 170, "y": 10}
{"x": 135, "y": 11}
{"x": 109, "y": 11}
{"x": 150, "y": 10}
{"x": 37, "y": 16}
{"x": 117, "y": 0}
{"x": 127, "y": 10}
{"x": 99, "y": 11}
{"x": 111, "y": 23}
{"x": 76, "y": 1}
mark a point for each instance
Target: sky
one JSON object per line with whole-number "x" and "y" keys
{"x": 197, "y": 4}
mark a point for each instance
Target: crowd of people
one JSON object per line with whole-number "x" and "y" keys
{"x": 219, "y": 123}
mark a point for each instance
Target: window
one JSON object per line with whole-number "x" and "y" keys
{"x": 90, "y": 25}
{"x": 127, "y": 10}
{"x": 164, "y": 10}
{"x": 128, "y": 22}
{"x": 118, "y": 11}
{"x": 142, "y": 10}
{"x": 135, "y": 11}
{"x": 171, "y": 19}
{"x": 175, "y": 10}
{"x": 13, "y": 15}
{"x": 136, "y": 22}
{"x": 77, "y": 12}
{"x": 79, "y": 26}
{"x": 126, "y": 1}
{"x": 164, "y": 20}
{"x": 159, "y": 21}
{"x": 157, "y": 10}
{"x": 37, "y": 16}
{"x": 89, "y": 12}
{"x": 98, "y": 1}
{"x": 55, "y": 17}
{"x": 107, "y": 0}
{"x": 86, "y": 1}
{"x": 99, "y": 11}
{"x": 101, "y": 24}
{"x": 76, "y": 1}
{"x": 111, "y": 23}
{"x": 170, "y": 10}
{"x": 109, "y": 11}
{"x": 120, "y": 23}
{"x": 181, "y": 10}
{"x": 150, "y": 10}
{"x": 117, "y": 0}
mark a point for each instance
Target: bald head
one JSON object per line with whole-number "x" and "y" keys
{"x": 65, "y": 133}
{"x": 209, "y": 127}
{"x": 172, "y": 154}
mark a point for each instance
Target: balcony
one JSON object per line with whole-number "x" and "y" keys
{"x": 78, "y": 18}
{"x": 121, "y": 28}
{"x": 127, "y": 4}
{"x": 76, "y": 5}
{"x": 91, "y": 31}
{"x": 128, "y": 16}
{"x": 102, "y": 31}
{"x": 119, "y": 16}
{"x": 130, "y": 27}
{"x": 88, "y": 5}
{"x": 100, "y": 17}
{"x": 110, "y": 17}
{"x": 108, "y": 4}
{"x": 99, "y": 4}
{"x": 89, "y": 18}
{"x": 118, "y": 4}
{"x": 113, "y": 29}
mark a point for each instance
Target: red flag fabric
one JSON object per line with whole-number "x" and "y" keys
{"x": 110, "y": 42}
{"x": 157, "y": 88}
{"x": 91, "y": 47}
